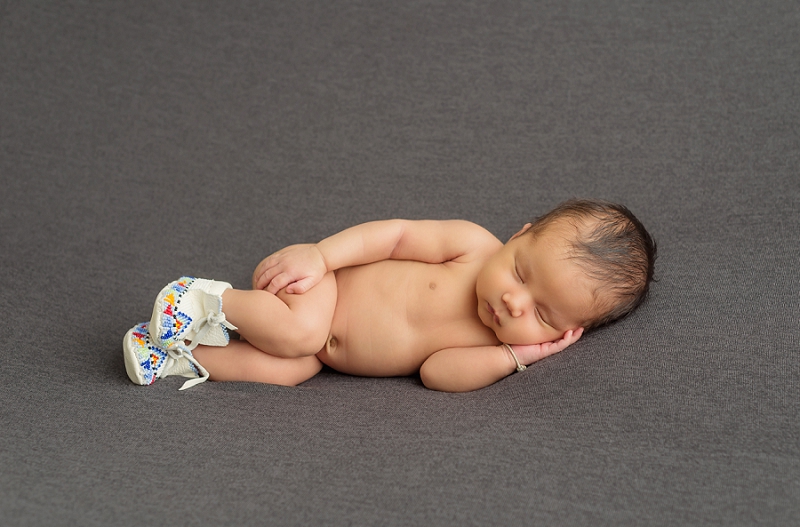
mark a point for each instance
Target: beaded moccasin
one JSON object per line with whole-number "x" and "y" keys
{"x": 145, "y": 361}
{"x": 188, "y": 312}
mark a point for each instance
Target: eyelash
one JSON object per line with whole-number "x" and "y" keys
{"x": 546, "y": 323}
{"x": 538, "y": 314}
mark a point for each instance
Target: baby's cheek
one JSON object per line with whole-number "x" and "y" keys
{"x": 535, "y": 333}
{"x": 550, "y": 335}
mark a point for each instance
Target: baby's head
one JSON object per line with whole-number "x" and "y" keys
{"x": 581, "y": 265}
{"x": 612, "y": 247}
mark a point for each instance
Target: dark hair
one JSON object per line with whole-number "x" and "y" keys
{"x": 614, "y": 249}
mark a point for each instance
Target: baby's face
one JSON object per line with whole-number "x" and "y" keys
{"x": 530, "y": 292}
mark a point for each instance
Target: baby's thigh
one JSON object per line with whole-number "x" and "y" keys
{"x": 312, "y": 311}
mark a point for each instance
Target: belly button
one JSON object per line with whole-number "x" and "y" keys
{"x": 332, "y": 343}
{"x": 432, "y": 286}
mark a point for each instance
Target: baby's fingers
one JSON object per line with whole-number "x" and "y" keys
{"x": 569, "y": 338}
{"x": 278, "y": 282}
{"x": 301, "y": 286}
{"x": 265, "y": 277}
{"x": 572, "y": 336}
{"x": 260, "y": 274}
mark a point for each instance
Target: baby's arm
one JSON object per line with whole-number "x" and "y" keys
{"x": 299, "y": 267}
{"x": 467, "y": 369}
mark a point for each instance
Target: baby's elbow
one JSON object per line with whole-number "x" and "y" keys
{"x": 437, "y": 378}
{"x": 429, "y": 378}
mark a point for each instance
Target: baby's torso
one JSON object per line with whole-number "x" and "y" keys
{"x": 392, "y": 315}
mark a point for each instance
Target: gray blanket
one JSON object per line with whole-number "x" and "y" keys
{"x": 141, "y": 141}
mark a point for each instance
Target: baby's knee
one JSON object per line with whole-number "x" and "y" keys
{"x": 312, "y": 316}
{"x": 307, "y": 339}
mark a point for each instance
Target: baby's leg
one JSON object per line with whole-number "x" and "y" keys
{"x": 283, "y": 325}
{"x": 240, "y": 361}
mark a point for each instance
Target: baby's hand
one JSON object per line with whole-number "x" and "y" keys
{"x": 297, "y": 268}
{"x": 528, "y": 354}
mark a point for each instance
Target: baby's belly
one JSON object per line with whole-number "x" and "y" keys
{"x": 362, "y": 342}
{"x": 371, "y": 333}
{"x": 392, "y": 315}
{"x": 359, "y": 357}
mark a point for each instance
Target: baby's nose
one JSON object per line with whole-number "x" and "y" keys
{"x": 513, "y": 304}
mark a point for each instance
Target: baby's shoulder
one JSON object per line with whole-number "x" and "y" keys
{"x": 477, "y": 242}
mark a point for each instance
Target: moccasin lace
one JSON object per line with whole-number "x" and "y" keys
{"x": 212, "y": 320}
{"x": 181, "y": 351}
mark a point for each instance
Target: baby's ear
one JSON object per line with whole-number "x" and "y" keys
{"x": 522, "y": 231}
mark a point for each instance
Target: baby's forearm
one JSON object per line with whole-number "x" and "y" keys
{"x": 361, "y": 244}
{"x": 418, "y": 240}
{"x": 300, "y": 267}
{"x": 466, "y": 369}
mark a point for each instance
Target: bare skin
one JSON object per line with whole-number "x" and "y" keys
{"x": 399, "y": 297}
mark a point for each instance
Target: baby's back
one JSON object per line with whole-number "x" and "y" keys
{"x": 392, "y": 315}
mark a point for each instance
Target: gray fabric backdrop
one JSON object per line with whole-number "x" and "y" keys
{"x": 140, "y": 141}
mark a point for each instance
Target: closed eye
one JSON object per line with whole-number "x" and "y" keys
{"x": 539, "y": 315}
{"x": 516, "y": 271}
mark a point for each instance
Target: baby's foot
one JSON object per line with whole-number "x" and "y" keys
{"x": 189, "y": 310}
{"x": 145, "y": 361}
